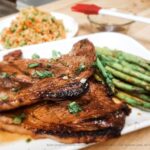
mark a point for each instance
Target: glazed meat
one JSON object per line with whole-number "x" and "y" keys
{"x": 43, "y": 79}
{"x": 36, "y": 96}
{"x": 99, "y": 119}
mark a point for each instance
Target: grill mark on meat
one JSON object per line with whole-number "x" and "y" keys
{"x": 115, "y": 132}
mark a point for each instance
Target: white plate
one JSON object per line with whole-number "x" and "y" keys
{"x": 71, "y": 26}
{"x": 112, "y": 40}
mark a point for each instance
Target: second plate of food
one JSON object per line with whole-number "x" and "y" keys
{"x": 33, "y": 26}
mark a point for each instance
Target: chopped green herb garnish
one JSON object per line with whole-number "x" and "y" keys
{"x": 35, "y": 56}
{"x": 44, "y": 74}
{"x": 4, "y": 98}
{"x": 81, "y": 68}
{"x": 19, "y": 118}
{"x": 74, "y": 108}
{"x": 33, "y": 65}
{"x": 55, "y": 54}
{"x": 4, "y": 75}
{"x": 28, "y": 140}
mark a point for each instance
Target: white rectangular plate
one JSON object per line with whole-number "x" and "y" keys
{"x": 138, "y": 119}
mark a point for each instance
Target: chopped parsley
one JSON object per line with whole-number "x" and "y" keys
{"x": 44, "y": 74}
{"x": 4, "y": 75}
{"x": 55, "y": 54}
{"x": 4, "y": 98}
{"x": 35, "y": 56}
{"x": 19, "y": 118}
{"x": 74, "y": 108}
{"x": 33, "y": 65}
{"x": 81, "y": 68}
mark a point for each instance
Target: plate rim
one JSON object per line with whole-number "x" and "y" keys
{"x": 73, "y": 33}
{"x": 143, "y": 124}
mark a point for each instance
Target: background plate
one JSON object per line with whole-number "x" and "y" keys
{"x": 138, "y": 119}
{"x": 71, "y": 26}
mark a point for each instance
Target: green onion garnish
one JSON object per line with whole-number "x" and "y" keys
{"x": 33, "y": 65}
{"x": 55, "y": 54}
{"x": 4, "y": 75}
{"x": 19, "y": 118}
{"x": 35, "y": 56}
{"x": 44, "y": 74}
{"x": 74, "y": 108}
{"x": 81, "y": 68}
{"x": 4, "y": 98}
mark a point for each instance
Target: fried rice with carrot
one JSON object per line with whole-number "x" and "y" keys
{"x": 32, "y": 26}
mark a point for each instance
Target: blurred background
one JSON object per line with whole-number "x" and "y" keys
{"x": 24, "y": 3}
{"x": 8, "y": 7}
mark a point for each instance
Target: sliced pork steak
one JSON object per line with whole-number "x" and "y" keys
{"x": 57, "y": 79}
{"x": 99, "y": 119}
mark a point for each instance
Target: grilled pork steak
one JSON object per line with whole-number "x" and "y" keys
{"x": 99, "y": 119}
{"x": 62, "y": 78}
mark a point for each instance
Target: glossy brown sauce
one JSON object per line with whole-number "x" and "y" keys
{"x": 10, "y": 137}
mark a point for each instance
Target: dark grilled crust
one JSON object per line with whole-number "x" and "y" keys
{"x": 67, "y": 135}
{"x": 71, "y": 90}
{"x": 84, "y": 137}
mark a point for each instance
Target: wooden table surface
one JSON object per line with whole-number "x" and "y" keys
{"x": 139, "y": 140}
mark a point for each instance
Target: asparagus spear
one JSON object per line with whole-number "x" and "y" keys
{"x": 135, "y": 67}
{"x": 124, "y": 56}
{"x": 105, "y": 75}
{"x": 128, "y": 78}
{"x": 133, "y": 101}
{"x": 128, "y": 71}
{"x": 126, "y": 64}
{"x": 127, "y": 87}
{"x": 104, "y": 51}
{"x": 133, "y": 59}
{"x": 143, "y": 97}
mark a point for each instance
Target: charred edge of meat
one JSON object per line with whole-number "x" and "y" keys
{"x": 112, "y": 131}
{"x": 121, "y": 112}
{"x": 71, "y": 90}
